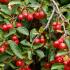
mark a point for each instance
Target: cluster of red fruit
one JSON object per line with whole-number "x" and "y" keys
{"x": 31, "y": 16}
{"x": 39, "y": 40}
{"x": 57, "y": 26}
{"x": 4, "y": 1}
{"x": 59, "y": 59}
{"x": 6, "y": 27}
{"x": 60, "y": 44}
{"x": 21, "y": 64}
{"x": 3, "y": 47}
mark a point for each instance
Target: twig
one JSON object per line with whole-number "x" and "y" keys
{"x": 50, "y": 19}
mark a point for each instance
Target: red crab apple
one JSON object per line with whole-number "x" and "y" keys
{"x": 20, "y": 17}
{"x": 4, "y": 27}
{"x": 4, "y": 1}
{"x": 18, "y": 24}
{"x": 19, "y": 63}
{"x": 30, "y": 17}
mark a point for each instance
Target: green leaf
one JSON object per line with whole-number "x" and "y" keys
{"x": 29, "y": 55}
{"x": 57, "y": 67}
{"x": 10, "y": 33}
{"x": 33, "y": 33}
{"x": 60, "y": 53}
{"x": 40, "y": 54}
{"x": 25, "y": 43}
{"x": 14, "y": 2}
{"x": 51, "y": 54}
{"x": 37, "y": 46}
{"x": 16, "y": 49}
{"x": 68, "y": 42}
{"x": 3, "y": 57}
{"x": 23, "y": 30}
{"x": 5, "y": 9}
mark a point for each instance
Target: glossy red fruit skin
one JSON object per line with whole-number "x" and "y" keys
{"x": 17, "y": 41}
{"x": 37, "y": 41}
{"x": 47, "y": 65}
{"x": 4, "y": 27}
{"x": 19, "y": 63}
{"x": 42, "y": 14}
{"x": 62, "y": 46}
{"x": 2, "y": 49}
{"x": 20, "y": 17}
{"x": 25, "y": 14}
{"x": 27, "y": 68}
{"x": 54, "y": 24}
{"x": 4, "y": 1}
{"x": 58, "y": 27}
{"x": 10, "y": 26}
{"x": 18, "y": 24}
{"x": 30, "y": 17}
{"x": 59, "y": 59}
{"x": 61, "y": 40}
{"x": 56, "y": 44}
{"x": 36, "y": 15}
{"x": 66, "y": 67}
{"x": 14, "y": 38}
{"x": 42, "y": 40}
{"x": 22, "y": 69}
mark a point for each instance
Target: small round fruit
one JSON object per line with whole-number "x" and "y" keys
{"x": 59, "y": 59}
{"x": 37, "y": 40}
{"x": 10, "y": 26}
{"x": 19, "y": 63}
{"x": 17, "y": 41}
{"x": 4, "y": 27}
{"x": 14, "y": 38}
{"x": 36, "y": 15}
{"x": 42, "y": 40}
{"x": 4, "y": 1}
{"x": 58, "y": 27}
{"x": 41, "y": 14}
{"x": 27, "y": 68}
{"x": 47, "y": 65}
{"x": 18, "y": 24}
{"x": 61, "y": 40}
{"x": 30, "y": 17}
{"x": 54, "y": 23}
{"x": 22, "y": 69}
{"x": 56, "y": 44}
{"x": 2, "y": 49}
{"x": 25, "y": 14}
{"x": 62, "y": 46}
{"x": 20, "y": 17}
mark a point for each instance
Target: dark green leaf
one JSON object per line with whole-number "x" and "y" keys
{"x": 16, "y": 49}
{"x": 23, "y": 30}
{"x": 33, "y": 33}
{"x": 25, "y": 43}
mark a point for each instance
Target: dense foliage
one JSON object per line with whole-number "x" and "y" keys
{"x": 35, "y": 34}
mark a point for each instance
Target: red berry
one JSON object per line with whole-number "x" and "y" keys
{"x": 14, "y": 38}
{"x": 41, "y": 14}
{"x": 36, "y": 15}
{"x": 54, "y": 24}
{"x": 62, "y": 46}
{"x": 22, "y": 69}
{"x": 58, "y": 27}
{"x": 56, "y": 44}
{"x": 27, "y": 68}
{"x": 2, "y": 49}
{"x": 61, "y": 40}
{"x": 9, "y": 26}
{"x": 20, "y": 17}
{"x": 30, "y": 17}
{"x": 66, "y": 67}
{"x": 4, "y": 27}
{"x": 37, "y": 40}
{"x": 18, "y": 24}
{"x": 4, "y": 1}
{"x": 19, "y": 63}
{"x": 17, "y": 41}
{"x": 59, "y": 59}
{"x": 47, "y": 65}
{"x": 42, "y": 40}
{"x": 25, "y": 14}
